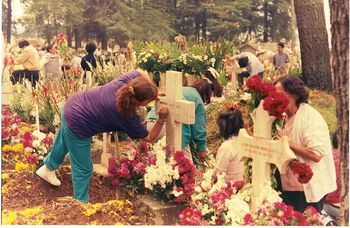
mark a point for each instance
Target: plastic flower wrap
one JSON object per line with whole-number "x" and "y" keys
{"x": 130, "y": 171}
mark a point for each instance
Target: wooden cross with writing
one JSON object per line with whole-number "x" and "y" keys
{"x": 180, "y": 111}
{"x": 262, "y": 150}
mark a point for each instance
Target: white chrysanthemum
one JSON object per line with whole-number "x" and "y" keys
{"x": 237, "y": 208}
{"x": 220, "y": 183}
{"x": 39, "y": 135}
{"x": 268, "y": 195}
{"x": 42, "y": 150}
{"x": 36, "y": 143}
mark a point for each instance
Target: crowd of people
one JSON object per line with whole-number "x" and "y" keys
{"x": 113, "y": 107}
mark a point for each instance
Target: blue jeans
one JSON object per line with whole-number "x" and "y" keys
{"x": 80, "y": 159}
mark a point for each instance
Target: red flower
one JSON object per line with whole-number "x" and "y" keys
{"x": 27, "y": 140}
{"x": 5, "y": 134}
{"x": 248, "y": 219}
{"x": 298, "y": 219}
{"x": 32, "y": 159}
{"x": 238, "y": 185}
{"x": 178, "y": 156}
{"x": 254, "y": 83}
{"x": 276, "y": 104}
{"x": 303, "y": 171}
{"x": 190, "y": 216}
{"x": 112, "y": 169}
{"x": 267, "y": 88}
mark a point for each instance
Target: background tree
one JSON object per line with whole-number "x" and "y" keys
{"x": 7, "y": 19}
{"x": 340, "y": 64}
{"x": 315, "y": 55}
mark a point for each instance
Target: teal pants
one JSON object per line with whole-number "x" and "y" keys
{"x": 80, "y": 159}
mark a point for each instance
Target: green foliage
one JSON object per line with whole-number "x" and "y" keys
{"x": 159, "y": 20}
{"x": 22, "y": 102}
{"x": 105, "y": 72}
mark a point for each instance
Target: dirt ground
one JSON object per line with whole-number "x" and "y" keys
{"x": 27, "y": 199}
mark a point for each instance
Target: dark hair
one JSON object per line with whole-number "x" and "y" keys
{"x": 49, "y": 47}
{"x": 280, "y": 44}
{"x": 90, "y": 48}
{"x": 23, "y": 43}
{"x": 243, "y": 61}
{"x": 137, "y": 90}
{"x": 294, "y": 86}
{"x": 230, "y": 121}
{"x": 216, "y": 85}
{"x": 205, "y": 89}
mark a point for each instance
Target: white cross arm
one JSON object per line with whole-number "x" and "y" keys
{"x": 181, "y": 111}
{"x": 272, "y": 151}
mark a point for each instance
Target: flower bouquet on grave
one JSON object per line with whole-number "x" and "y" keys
{"x": 36, "y": 146}
{"x": 172, "y": 177}
{"x": 10, "y": 127}
{"x": 280, "y": 214}
{"x": 223, "y": 203}
{"x": 130, "y": 171}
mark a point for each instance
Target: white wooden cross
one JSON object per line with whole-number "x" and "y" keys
{"x": 180, "y": 111}
{"x": 262, "y": 150}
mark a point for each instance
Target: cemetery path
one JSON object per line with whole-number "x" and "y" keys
{"x": 27, "y": 199}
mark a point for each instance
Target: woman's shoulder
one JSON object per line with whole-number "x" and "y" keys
{"x": 191, "y": 94}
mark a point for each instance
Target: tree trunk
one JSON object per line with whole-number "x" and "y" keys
{"x": 104, "y": 42}
{"x": 293, "y": 27}
{"x": 204, "y": 24}
{"x": 339, "y": 11}
{"x": 8, "y": 21}
{"x": 76, "y": 38}
{"x": 266, "y": 26}
{"x": 315, "y": 55}
{"x": 69, "y": 34}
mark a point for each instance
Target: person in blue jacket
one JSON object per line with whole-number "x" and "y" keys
{"x": 192, "y": 134}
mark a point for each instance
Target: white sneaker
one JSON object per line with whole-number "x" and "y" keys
{"x": 48, "y": 175}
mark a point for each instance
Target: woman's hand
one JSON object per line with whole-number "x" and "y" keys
{"x": 163, "y": 112}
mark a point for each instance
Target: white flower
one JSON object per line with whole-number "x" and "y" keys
{"x": 42, "y": 150}
{"x": 39, "y": 135}
{"x": 176, "y": 193}
{"x": 28, "y": 150}
{"x": 205, "y": 57}
{"x": 205, "y": 209}
{"x": 246, "y": 96}
{"x": 236, "y": 210}
{"x": 268, "y": 195}
{"x": 36, "y": 143}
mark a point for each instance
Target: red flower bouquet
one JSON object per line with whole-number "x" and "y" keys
{"x": 130, "y": 170}
{"x": 276, "y": 104}
{"x": 303, "y": 171}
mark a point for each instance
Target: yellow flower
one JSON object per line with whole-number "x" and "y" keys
{"x": 18, "y": 148}
{"x": 6, "y": 148}
{"x": 21, "y": 166}
{"x": 4, "y": 176}
{"x": 8, "y": 217}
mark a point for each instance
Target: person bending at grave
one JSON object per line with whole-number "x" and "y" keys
{"x": 251, "y": 63}
{"x": 111, "y": 107}
{"x": 230, "y": 121}
{"x": 193, "y": 135}
{"x": 309, "y": 139}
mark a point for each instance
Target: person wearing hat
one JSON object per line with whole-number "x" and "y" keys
{"x": 251, "y": 63}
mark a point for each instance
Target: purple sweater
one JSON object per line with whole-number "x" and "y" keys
{"x": 94, "y": 111}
